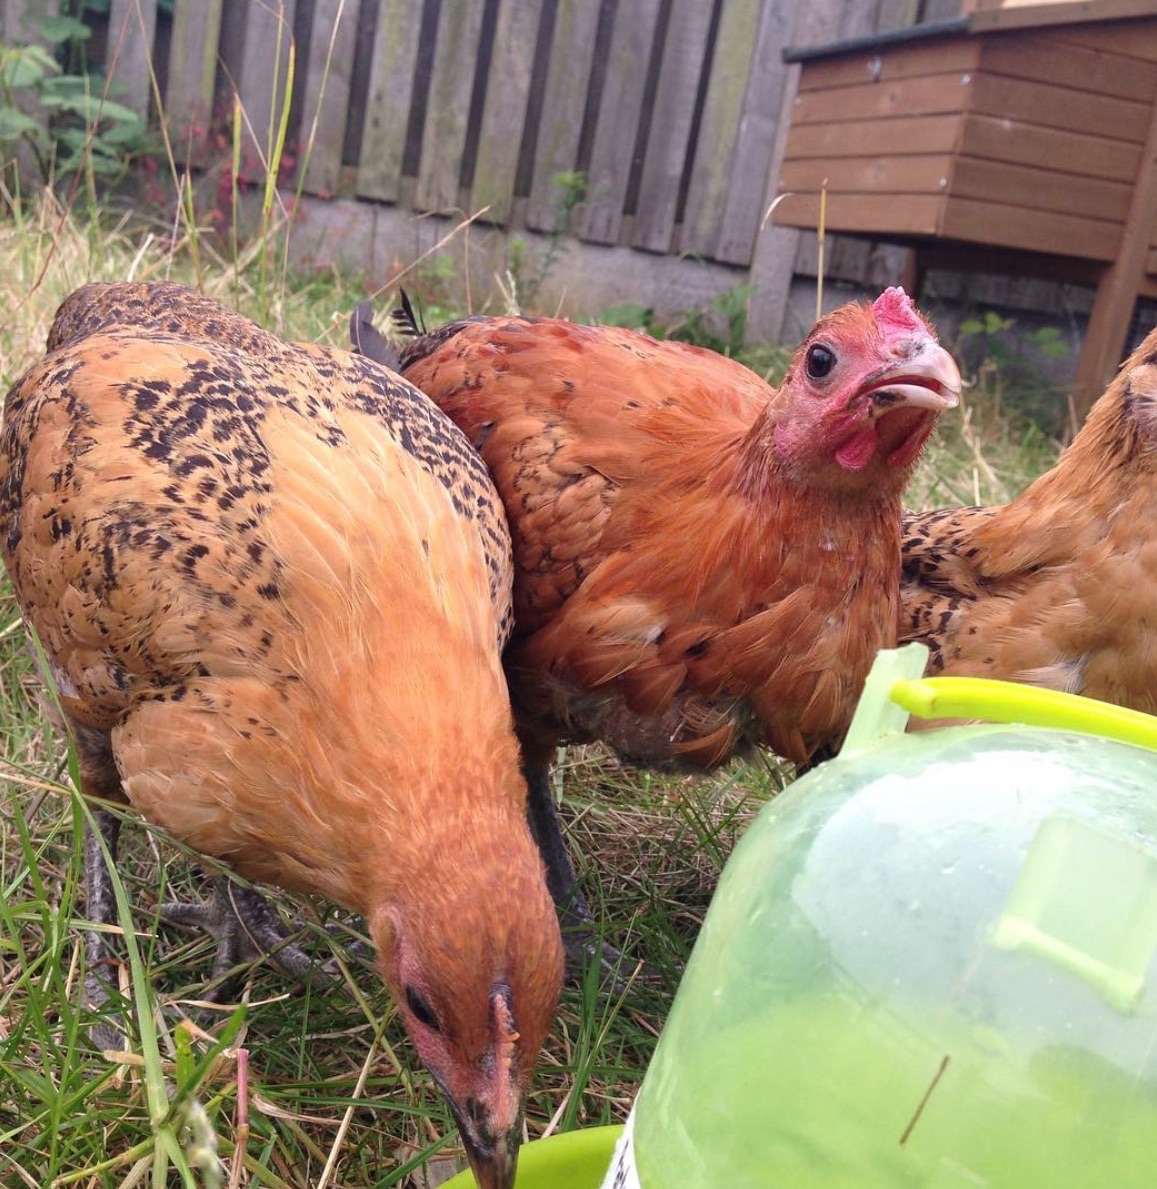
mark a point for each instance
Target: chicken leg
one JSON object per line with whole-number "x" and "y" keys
{"x": 245, "y": 927}
{"x": 101, "y": 908}
{"x": 580, "y": 933}
{"x": 239, "y": 918}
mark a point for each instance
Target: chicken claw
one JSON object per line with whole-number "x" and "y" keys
{"x": 245, "y": 928}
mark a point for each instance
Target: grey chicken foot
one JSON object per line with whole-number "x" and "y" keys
{"x": 245, "y": 927}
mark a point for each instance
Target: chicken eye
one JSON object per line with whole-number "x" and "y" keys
{"x": 820, "y": 361}
{"x": 423, "y": 1012}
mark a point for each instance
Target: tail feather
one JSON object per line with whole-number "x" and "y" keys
{"x": 405, "y": 320}
{"x": 367, "y": 340}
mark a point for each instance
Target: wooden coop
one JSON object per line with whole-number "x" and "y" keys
{"x": 1020, "y": 138}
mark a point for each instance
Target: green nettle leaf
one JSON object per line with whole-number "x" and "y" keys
{"x": 85, "y": 153}
{"x": 71, "y": 138}
{"x": 71, "y": 94}
{"x": 70, "y": 87}
{"x": 117, "y": 112}
{"x": 124, "y": 134}
{"x": 56, "y": 103}
{"x": 72, "y": 163}
{"x": 15, "y": 124}
{"x": 106, "y": 166}
{"x": 631, "y": 315}
{"x": 77, "y": 105}
{"x": 26, "y": 67}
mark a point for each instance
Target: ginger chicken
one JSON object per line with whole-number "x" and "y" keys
{"x": 272, "y": 583}
{"x": 1059, "y": 587}
{"x": 702, "y": 562}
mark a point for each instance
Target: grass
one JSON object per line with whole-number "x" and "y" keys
{"x": 335, "y": 1095}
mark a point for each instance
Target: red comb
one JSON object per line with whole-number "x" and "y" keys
{"x": 894, "y": 307}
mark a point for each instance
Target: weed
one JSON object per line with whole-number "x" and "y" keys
{"x": 719, "y": 327}
{"x": 65, "y": 119}
{"x": 526, "y": 274}
{"x": 1009, "y": 362}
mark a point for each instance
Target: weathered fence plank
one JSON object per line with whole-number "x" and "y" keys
{"x": 327, "y": 91}
{"x": 572, "y": 51}
{"x": 192, "y": 76}
{"x": 390, "y": 97}
{"x": 629, "y": 118}
{"x": 132, "y": 25}
{"x": 744, "y": 198}
{"x": 731, "y": 71}
{"x": 895, "y": 14}
{"x": 448, "y": 110}
{"x": 773, "y": 260}
{"x": 618, "y": 120}
{"x": 258, "y": 69}
{"x": 504, "y": 114}
{"x": 668, "y": 142}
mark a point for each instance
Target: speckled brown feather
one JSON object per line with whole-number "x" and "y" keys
{"x": 276, "y": 579}
{"x": 676, "y": 594}
{"x": 1059, "y": 587}
{"x": 327, "y": 379}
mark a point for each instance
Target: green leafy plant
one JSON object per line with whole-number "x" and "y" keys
{"x": 631, "y": 315}
{"x": 1007, "y": 360}
{"x": 718, "y": 326}
{"x": 65, "y": 120}
{"x": 528, "y": 271}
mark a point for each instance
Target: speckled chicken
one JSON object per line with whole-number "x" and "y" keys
{"x": 1059, "y": 587}
{"x": 702, "y": 562}
{"x": 272, "y": 582}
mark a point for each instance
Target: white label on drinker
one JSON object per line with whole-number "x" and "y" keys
{"x": 622, "y": 1173}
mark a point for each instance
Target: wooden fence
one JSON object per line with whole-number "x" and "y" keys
{"x": 671, "y": 111}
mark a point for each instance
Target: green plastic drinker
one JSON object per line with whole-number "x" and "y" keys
{"x": 930, "y": 964}
{"x": 571, "y": 1160}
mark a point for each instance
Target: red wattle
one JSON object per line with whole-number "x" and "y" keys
{"x": 857, "y": 451}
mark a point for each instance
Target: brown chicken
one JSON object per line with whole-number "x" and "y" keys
{"x": 272, "y": 585}
{"x": 701, "y": 562}
{"x": 1059, "y": 587}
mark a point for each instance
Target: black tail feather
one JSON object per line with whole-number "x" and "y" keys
{"x": 367, "y": 340}
{"x": 405, "y": 320}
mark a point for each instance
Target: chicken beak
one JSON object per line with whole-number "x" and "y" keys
{"x": 927, "y": 379}
{"x": 493, "y": 1159}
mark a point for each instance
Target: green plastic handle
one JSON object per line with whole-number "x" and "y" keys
{"x": 1009, "y": 702}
